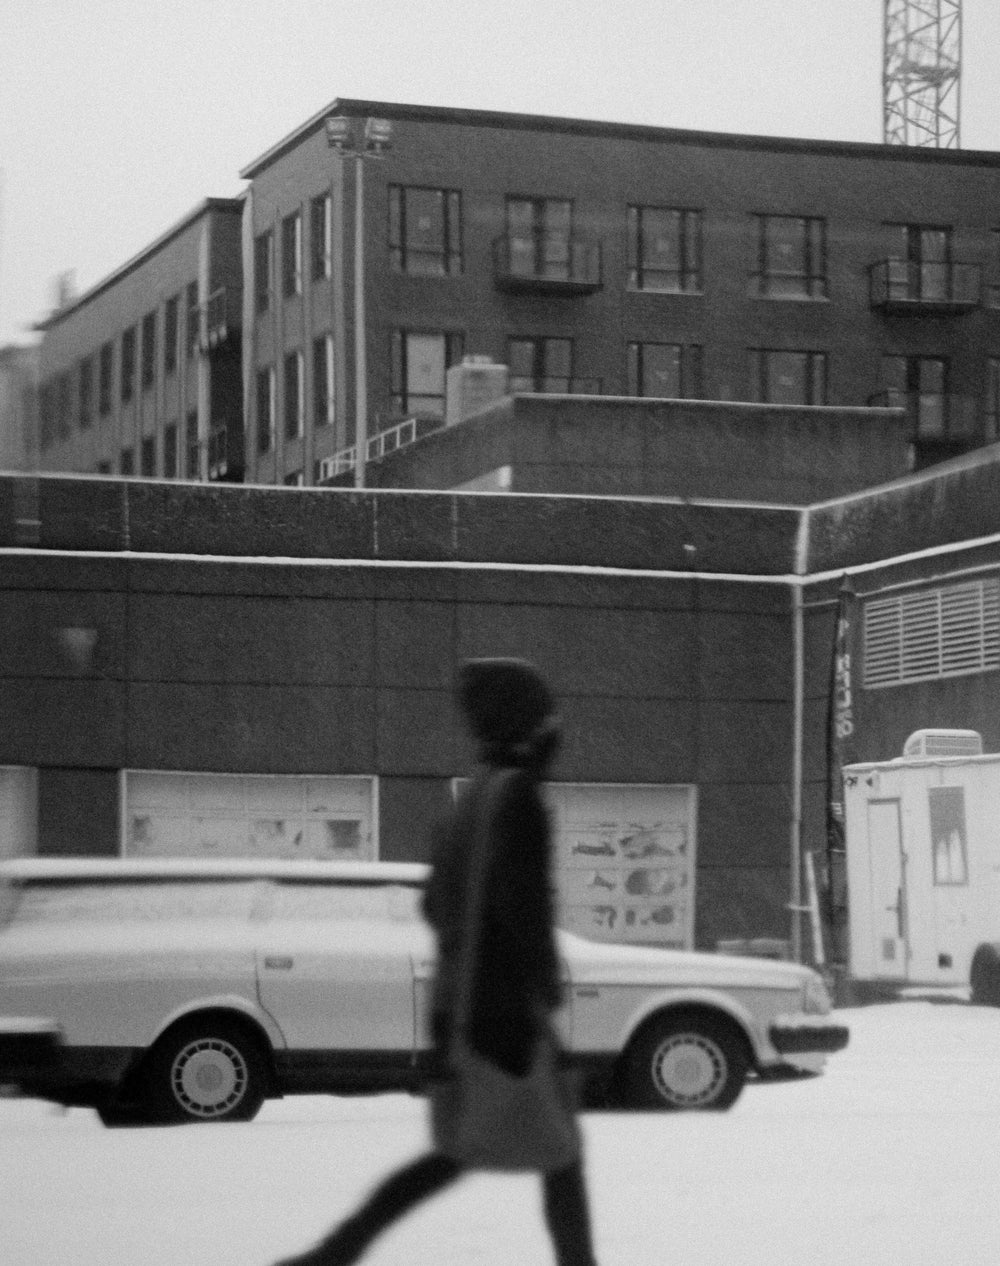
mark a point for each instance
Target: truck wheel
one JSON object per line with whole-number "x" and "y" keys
{"x": 207, "y": 1070}
{"x": 686, "y": 1062}
{"x": 984, "y": 976}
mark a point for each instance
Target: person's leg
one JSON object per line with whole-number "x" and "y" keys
{"x": 387, "y": 1203}
{"x": 567, "y": 1215}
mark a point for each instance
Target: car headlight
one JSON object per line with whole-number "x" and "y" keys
{"x": 815, "y": 997}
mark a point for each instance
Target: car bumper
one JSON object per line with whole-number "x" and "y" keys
{"x": 29, "y": 1049}
{"x": 803, "y": 1037}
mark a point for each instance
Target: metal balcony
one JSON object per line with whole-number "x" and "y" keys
{"x": 904, "y": 288}
{"x": 547, "y": 263}
{"x": 225, "y": 455}
{"x": 223, "y": 318}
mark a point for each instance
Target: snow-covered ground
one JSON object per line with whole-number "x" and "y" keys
{"x": 891, "y": 1156}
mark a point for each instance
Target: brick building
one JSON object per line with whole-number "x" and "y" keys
{"x": 590, "y": 258}
{"x": 140, "y": 375}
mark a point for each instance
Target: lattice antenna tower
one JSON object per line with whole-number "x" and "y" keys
{"x": 921, "y": 72}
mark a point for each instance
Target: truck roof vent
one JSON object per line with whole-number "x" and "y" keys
{"x": 943, "y": 743}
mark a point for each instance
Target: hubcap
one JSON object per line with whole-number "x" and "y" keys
{"x": 689, "y": 1070}
{"x": 209, "y": 1077}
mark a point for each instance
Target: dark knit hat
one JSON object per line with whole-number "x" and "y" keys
{"x": 505, "y": 700}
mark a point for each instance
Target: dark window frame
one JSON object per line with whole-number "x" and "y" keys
{"x": 809, "y": 279}
{"x": 404, "y": 251}
{"x": 691, "y": 368}
{"x": 127, "y": 381}
{"x": 688, "y": 276}
{"x": 402, "y": 397}
{"x": 762, "y": 368}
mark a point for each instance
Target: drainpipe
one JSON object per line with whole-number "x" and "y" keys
{"x": 798, "y": 711}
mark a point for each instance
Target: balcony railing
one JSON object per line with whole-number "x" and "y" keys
{"x": 223, "y": 317}
{"x": 937, "y": 416}
{"x": 547, "y": 263}
{"x": 225, "y": 455}
{"x": 900, "y": 286}
{"x": 378, "y": 446}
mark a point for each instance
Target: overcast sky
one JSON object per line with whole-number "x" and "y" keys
{"x": 117, "y": 117}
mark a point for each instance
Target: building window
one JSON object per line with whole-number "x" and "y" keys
{"x": 64, "y": 404}
{"x": 294, "y": 395}
{"x": 539, "y": 237}
{"x": 192, "y": 449}
{"x": 664, "y": 250}
{"x": 425, "y": 230}
{"x": 294, "y": 479}
{"x": 263, "y": 276}
{"x": 265, "y": 409}
{"x": 780, "y": 377}
{"x": 946, "y": 814}
{"x": 170, "y": 330}
{"x": 668, "y": 370}
{"x": 546, "y": 365}
{"x": 918, "y": 384}
{"x": 922, "y": 636}
{"x": 46, "y": 411}
{"x": 170, "y": 451}
{"x": 148, "y": 350}
{"x": 105, "y": 376}
{"x": 291, "y": 255}
{"x": 147, "y": 457}
{"x": 923, "y": 257}
{"x": 791, "y": 260}
{"x": 128, "y": 365}
{"x": 324, "y": 402}
{"x": 103, "y": 468}
{"x": 991, "y": 420}
{"x": 419, "y": 363}
{"x": 86, "y": 393}
{"x": 193, "y": 318}
{"x": 126, "y": 462}
{"x": 320, "y": 236}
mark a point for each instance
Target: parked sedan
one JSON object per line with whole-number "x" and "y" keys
{"x": 191, "y": 990}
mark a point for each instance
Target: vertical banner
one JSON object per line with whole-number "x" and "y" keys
{"x": 840, "y": 734}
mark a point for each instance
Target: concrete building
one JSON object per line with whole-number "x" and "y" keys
{"x": 233, "y": 670}
{"x": 140, "y": 375}
{"x": 588, "y": 258}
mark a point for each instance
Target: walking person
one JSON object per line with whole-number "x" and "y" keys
{"x": 498, "y": 1100}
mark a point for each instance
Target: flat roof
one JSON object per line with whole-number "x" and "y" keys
{"x": 207, "y": 205}
{"x": 354, "y": 107}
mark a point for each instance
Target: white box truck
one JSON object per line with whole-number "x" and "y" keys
{"x": 923, "y": 865}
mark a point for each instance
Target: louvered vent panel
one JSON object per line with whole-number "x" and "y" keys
{"x": 935, "y": 633}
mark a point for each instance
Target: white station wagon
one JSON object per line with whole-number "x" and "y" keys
{"x": 193, "y": 990}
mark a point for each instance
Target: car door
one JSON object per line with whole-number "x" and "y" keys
{"x": 335, "y": 966}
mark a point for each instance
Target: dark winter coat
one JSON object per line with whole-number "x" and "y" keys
{"x": 515, "y": 978}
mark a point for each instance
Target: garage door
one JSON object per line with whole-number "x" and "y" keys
{"x": 259, "y": 815}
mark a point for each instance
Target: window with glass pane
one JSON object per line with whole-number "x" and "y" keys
{"x": 323, "y": 395}
{"x": 147, "y": 457}
{"x": 262, "y": 278}
{"x": 291, "y": 255}
{"x": 86, "y": 386}
{"x": 64, "y": 404}
{"x": 126, "y": 462}
{"x": 419, "y": 362}
{"x": 920, "y": 262}
{"x": 148, "y": 349}
{"x": 170, "y": 323}
{"x": 792, "y": 257}
{"x": 128, "y": 366}
{"x": 665, "y": 370}
{"x": 193, "y": 318}
{"x": 919, "y": 385}
{"x": 664, "y": 249}
{"x": 104, "y": 376}
{"x": 991, "y": 421}
{"x": 788, "y": 377}
{"x": 192, "y": 460}
{"x": 538, "y": 236}
{"x": 293, "y": 395}
{"x": 541, "y": 364}
{"x": 320, "y": 236}
{"x": 425, "y": 230}
{"x": 265, "y": 410}
{"x": 170, "y": 451}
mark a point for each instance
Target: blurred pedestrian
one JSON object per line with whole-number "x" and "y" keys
{"x": 498, "y": 1098}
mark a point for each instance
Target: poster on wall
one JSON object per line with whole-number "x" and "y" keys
{"x": 256, "y": 816}
{"x": 625, "y": 862}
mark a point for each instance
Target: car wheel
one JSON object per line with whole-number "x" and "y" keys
{"x": 984, "y": 976}
{"x": 686, "y": 1062}
{"x": 207, "y": 1071}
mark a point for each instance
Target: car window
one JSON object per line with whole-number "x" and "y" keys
{"x": 157, "y": 901}
{"x": 395, "y": 903}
